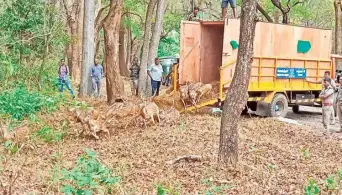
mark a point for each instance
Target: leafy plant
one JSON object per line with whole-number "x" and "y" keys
{"x": 214, "y": 189}
{"x": 330, "y": 183}
{"x": 20, "y": 103}
{"x": 50, "y": 135}
{"x": 11, "y": 147}
{"x": 88, "y": 176}
{"x": 305, "y": 152}
{"x": 312, "y": 188}
{"x": 163, "y": 190}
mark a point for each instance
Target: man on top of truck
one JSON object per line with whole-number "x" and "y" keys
{"x": 225, "y": 5}
{"x": 194, "y": 16}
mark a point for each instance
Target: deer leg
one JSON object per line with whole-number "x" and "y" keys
{"x": 152, "y": 118}
{"x": 94, "y": 134}
{"x": 158, "y": 118}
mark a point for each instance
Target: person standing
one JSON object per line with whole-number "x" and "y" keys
{"x": 96, "y": 75}
{"x": 333, "y": 85}
{"x": 327, "y": 97}
{"x": 155, "y": 72}
{"x": 194, "y": 16}
{"x": 339, "y": 103}
{"x": 224, "y": 6}
{"x": 135, "y": 69}
{"x": 63, "y": 78}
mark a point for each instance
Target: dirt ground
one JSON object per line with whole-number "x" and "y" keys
{"x": 274, "y": 157}
{"x": 312, "y": 117}
{"x": 271, "y": 158}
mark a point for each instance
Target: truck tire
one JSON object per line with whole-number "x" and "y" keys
{"x": 279, "y": 106}
{"x": 295, "y": 109}
{"x": 245, "y": 110}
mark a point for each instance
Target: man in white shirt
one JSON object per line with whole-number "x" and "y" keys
{"x": 155, "y": 72}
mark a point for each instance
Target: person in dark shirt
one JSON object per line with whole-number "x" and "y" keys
{"x": 135, "y": 69}
{"x": 194, "y": 16}
{"x": 63, "y": 78}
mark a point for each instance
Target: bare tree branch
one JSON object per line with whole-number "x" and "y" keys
{"x": 264, "y": 13}
{"x": 135, "y": 14}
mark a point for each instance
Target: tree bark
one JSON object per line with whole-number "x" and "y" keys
{"x": 111, "y": 27}
{"x": 237, "y": 93}
{"x": 123, "y": 68}
{"x": 128, "y": 47}
{"x": 145, "y": 50}
{"x": 88, "y": 47}
{"x": 98, "y": 26}
{"x": 338, "y": 32}
{"x": 73, "y": 48}
{"x": 158, "y": 28}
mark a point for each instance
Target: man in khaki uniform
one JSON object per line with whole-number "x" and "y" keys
{"x": 339, "y": 104}
{"x": 333, "y": 85}
{"x": 327, "y": 97}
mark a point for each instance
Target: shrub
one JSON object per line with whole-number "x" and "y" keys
{"x": 20, "y": 103}
{"x": 88, "y": 176}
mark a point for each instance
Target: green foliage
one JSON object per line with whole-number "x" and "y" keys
{"x": 214, "y": 189}
{"x": 49, "y": 134}
{"x": 312, "y": 188}
{"x": 305, "y": 153}
{"x": 331, "y": 183}
{"x": 25, "y": 27}
{"x": 20, "y": 102}
{"x": 163, "y": 190}
{"x": 11, "y": 147}
{"x": 169, "y": 46}
{"x": 88, "y": 176}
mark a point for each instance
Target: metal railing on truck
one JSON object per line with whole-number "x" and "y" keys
{"x": 268, "y": 98}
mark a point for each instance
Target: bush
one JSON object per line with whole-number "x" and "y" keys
{"x": 49, "y": 134}
{"x": 88, "y": 176}
{"x": 20, "y": 103}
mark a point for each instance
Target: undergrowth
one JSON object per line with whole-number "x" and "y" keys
{"x": 88, "y": 176}
{"x": 20, "y": 103}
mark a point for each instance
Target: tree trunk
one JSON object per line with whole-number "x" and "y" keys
{"x": 145, "y": 50}
{"x": 88, "y": 47}
{"x": 237, "y": 93}
{"x": 111, "y": 27}
{"x": 123, "y": 68}
{"x": 73, "y": 48}
{"x": 128, "y": 47}
{"x": 285, "y": 17}
{"x": 338, "y": 32}
{"x": 158, "y": 28}
{"x": 79, "y": 49}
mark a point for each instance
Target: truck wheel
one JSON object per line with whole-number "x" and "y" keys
{"x": 244, "y": 111}
{"x": 279, "y": 106}
{"x": 295, "y": 109}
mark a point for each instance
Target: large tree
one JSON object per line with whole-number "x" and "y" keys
{"x": 111, "y": 27}
{"x": 285, "y": 8}
{"x": 338, "y": 31}
{"x": 88, "y": 47}
{"x": 237, "y": 93}
{"x": 145, "y": 50}
{"x": 73, "y": 11}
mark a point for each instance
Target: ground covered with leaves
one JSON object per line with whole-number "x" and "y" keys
{"x": 274, "y": 158}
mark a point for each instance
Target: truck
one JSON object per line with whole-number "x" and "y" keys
{"x": 284, "y": 57}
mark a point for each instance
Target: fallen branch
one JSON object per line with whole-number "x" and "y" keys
{"x": 186, "y": 157}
